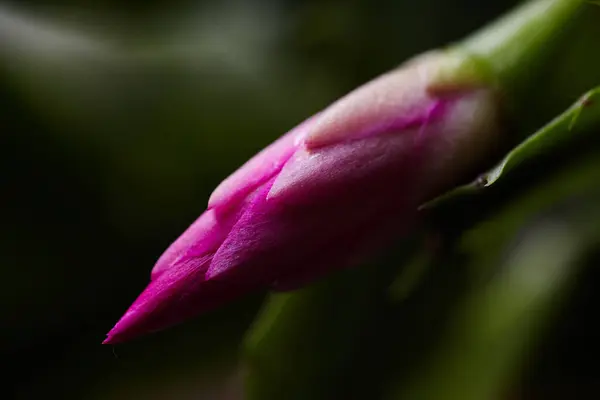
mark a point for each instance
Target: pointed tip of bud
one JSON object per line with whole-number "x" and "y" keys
{"x": 115, "y": 337}
{"x": 131, "y": 325}
{"x": 177, "y": 294}
{"x": 169, "y": 299}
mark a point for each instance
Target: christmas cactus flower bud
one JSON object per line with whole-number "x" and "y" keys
{"x": 325, "y": 195}
{"x": 333, "y": 190}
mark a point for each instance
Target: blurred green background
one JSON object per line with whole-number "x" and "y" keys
{"x": 118, "y": 119}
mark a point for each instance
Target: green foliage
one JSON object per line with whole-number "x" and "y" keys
{"x": 525, "y": 262}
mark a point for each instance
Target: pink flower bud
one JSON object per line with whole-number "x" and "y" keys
{"x": 325, "y": 195}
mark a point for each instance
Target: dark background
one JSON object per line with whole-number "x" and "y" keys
{"x": 117, "y": 119}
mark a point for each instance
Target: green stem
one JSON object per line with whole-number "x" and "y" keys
{"x": 522, "y": 37}
{"x": 541, "y": 56}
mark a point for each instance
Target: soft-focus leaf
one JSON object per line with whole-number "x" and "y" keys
{"x": 522, "y": 265}
{"x": 304, "y": 344}
{"x": 495, "y": 330}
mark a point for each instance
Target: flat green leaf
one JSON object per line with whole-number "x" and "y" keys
{"x": 301, "y": 343}
{"x": 573, "y": 123}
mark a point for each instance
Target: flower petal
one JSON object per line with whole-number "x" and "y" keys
{"x": 392, "y": 102}
{"x": 173, "y": 296}
{"x": 204, "y": 236}
{"x": 345, "y": 171}
{"x": 258, "y": 169}
{"x": 331, "y": 196}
